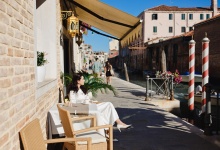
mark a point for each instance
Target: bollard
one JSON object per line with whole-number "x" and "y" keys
{"x": 208, "y": 117}
{"x": 205, "y": 69}
{"x": 191, "y": 76}
{"x": 126, "y": 72}
{"x": 172, "y": 92}
{"x": 147, "y": 87}
{"x": 191, "y": 82}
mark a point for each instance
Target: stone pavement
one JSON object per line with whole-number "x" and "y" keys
{"x": 152, "y": 127}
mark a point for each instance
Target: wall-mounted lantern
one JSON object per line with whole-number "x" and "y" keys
{"x": 73, "y": 25}
{"x": 79, "y": 38}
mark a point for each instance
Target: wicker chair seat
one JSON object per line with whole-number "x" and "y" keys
{"x": 96, "y": 137}
{"x": 97, "y": 146}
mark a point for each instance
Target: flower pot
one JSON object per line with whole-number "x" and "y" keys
{"x": 41, "y": 72}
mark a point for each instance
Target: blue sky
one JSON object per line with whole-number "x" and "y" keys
{"x": 135, "y": 7}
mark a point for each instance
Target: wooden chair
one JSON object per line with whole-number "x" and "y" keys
{"x": 32, "y": 137}
{"x": 99, "y": 142}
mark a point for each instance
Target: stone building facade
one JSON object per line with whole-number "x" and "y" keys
{"x": 22, "y": 98}
{"x": 171, "y": 21}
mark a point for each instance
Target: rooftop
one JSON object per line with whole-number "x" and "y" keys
{"x": 208, "y": 20}
{"x": 175, "y": 8}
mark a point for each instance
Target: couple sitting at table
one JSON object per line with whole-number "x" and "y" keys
{"x": 108, "y": 114}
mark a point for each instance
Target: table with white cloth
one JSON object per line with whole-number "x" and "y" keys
{"x": 54, "y": 126}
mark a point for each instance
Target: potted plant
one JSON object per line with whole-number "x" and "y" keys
{"x": 92, "y": 83}
{"x": 41, "y": 69}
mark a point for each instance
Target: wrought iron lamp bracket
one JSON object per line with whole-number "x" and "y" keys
{"x": 66, "y": 14}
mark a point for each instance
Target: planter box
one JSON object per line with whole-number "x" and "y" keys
{"x": 41, "y": 72}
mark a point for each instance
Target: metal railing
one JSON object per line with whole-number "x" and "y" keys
{"x": 157, "y": 86}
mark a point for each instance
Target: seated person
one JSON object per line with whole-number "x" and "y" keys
{"x": 108, "y": 114}
{"x": 199, "y": 89}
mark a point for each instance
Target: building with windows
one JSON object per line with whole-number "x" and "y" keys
{"x": 113, "y": 44}
{"x": 168, "y": 21}
{"x": 177, "y": 50}
{"x": 161, "y": 23}
{"x": 86, "y": 54}
{"x": 113, "y": 51}
{"x": 102, "y": 57}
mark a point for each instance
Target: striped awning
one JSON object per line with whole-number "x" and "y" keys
{"x": 117, "y": 23}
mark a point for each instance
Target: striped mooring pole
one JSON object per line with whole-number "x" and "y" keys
{"x": 205, "y": 69}
{"x": 192, "y": 44}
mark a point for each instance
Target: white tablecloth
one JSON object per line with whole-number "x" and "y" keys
{"x": 54, "y": 126}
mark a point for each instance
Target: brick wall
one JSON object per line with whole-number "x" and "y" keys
{"x": 213, "y": 33}
{"x": 182, "y": 63}
{"x": 18, "y": 104}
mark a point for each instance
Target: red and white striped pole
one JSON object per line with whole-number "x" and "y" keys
{"x": 205, "y": 69}
{"x": 192, "y": 44}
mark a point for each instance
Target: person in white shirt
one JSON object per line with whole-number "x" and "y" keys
{"x": 96, "y": 67}
{"x": 199, "y": 89}
{"x": 108, "y": 114}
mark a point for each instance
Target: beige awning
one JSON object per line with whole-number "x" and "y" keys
{"x": 106, "y": 18}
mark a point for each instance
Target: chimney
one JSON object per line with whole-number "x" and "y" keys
{"x": 214, "y": 7}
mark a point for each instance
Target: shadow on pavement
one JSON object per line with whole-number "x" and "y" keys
{"x": 152, "y": 131}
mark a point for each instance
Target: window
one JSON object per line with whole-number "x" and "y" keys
{"x": 183, "y": 16}
{"x": 183, "y": 29}
{"x": 190, "y": 28}
{"x": 170, "y": 16}
{"x": 201, "y": 16}
{"x": 170, "y": 29}
{"x": 154, "y": 29}
{"x": 207, "y": 16}
{"x": 154, "y": 16}
{"x": 190, "y": 16}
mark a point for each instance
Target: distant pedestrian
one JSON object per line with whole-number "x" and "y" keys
{"x": 90, "y": 64}
{"x": 108, "y": 72}
{"x": 96, "y": 67}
